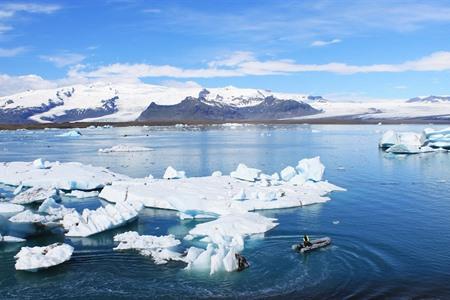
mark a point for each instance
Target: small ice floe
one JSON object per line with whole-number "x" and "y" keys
{"x": 36, "y": 194}
{"x": 8, "y": 210}
{"x": 157, "y": 247}
{"x": 429, "y": 140}
{"x": 36, "y": 258}
{"x": 11, "y": 239}
{"x": 171, "y": 173}
{"x": 40, "y": 164}
{"x": 82, "y": 194}
{"x": 91, "y": 222}
{"x": 72, "y": 133}
{"x": 125, "y": 148}
{"x": 63, "y": 176}
{"x": 336, "y": 222}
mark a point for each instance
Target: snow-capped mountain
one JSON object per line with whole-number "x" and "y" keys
{"x": 122, "y": 102}
{"x": 430, "y": 99}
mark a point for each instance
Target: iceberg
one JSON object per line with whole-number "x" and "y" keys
{"x": 36, "y": 258}
{"x": 91, "y": 222}
{"x": 214, "y": 196}
{"x": 311, "y": 168}
{"x": 9, "y": 209}
{"x": 72, "y": 133}
{"x": 62, "y": 176}
{"x": 157, "y": 247}
{"x": 429, "y": 140}
{"x": 171, "y": 173}
{"x": 11, "y": 239}
{"x": 245, "y": 173}
{"x": 125, "y": 148}
{"x": 36, "y": 194}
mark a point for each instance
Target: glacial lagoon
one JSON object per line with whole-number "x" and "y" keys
{"x": 389, "y": 229}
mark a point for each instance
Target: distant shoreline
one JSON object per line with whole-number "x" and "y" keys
{"x": 312, "y": 121}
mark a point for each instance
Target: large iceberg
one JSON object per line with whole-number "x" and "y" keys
{"x": 90, "y": 222}
{"x": 35, "y": 258}
{"x": 64, "y": 176}
{"x": 429, "y": 140}
{"x": 125, "y": 148}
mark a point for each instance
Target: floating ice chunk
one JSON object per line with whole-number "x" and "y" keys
{"x": 288, "y": 173}
{"x": 245, "y": 173}
{"x": 103, "y": 218}
{"x": 388, "y": 139}
{"x": 192, "y": 254}
{"x": 234, "y": 225}
{"x": 275, "y": 177}
{"x": 72, "y": 133}
{"x": 125, "y": 148}
{"x": 156, "y": 247}
{"x": 82, "y": 194}
{"x": 188, "y": 237}
{"x": 311, "y": 169}
{"x": 28, "y": 216}
{"x": 203, "y": 260}
{"x": 64, "y": 176}
{"x": 55, "y": 210}
{"x": 216, "y": 174}
{"x": 35, "y": 194}
{"x": 230, "y": 262}
{"x": 11, "y": 239}
{"x": 35, "y": 258}
{"x": 9, "y": 209}
{"x": 171, "y": 173}
{"x": 217, "y": 260}
{"x": 409, "y": 149}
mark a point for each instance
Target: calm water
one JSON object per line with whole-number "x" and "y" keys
{"x": 392, "y": 239}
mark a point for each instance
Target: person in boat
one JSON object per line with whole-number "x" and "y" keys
{"x": 306, "y": 242}
{"x": 242, "y": 262}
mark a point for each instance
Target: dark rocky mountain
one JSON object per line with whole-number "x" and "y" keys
{"x": 191, "y": 108}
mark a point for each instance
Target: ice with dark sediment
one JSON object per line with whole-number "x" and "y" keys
{"x": 429, "y": 140}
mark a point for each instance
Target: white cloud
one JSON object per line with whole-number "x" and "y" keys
{"x": 64, "y": 59}
{"x": 181, "y": 84}
{"x": 14, "y": 84}
{"x": 325, "y": 43}
{"x": 10, "y": 52}
{"x": 10, "y": 9}
{"x": 245, "y": 64}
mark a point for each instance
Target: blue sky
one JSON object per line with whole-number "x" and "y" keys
{"x": 340, "y": 49}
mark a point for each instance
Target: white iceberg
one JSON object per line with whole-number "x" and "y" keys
{"x": 9, "y": 209}
{"x": 216, "y": 174}
{"x": 429, "y": 140}
{"x": 245, "y": 173}
{"x": 64, "y": 176}
{"x": 71, "y": 133}
{"x": 35, "y": 194}
{"x": 10, "y": 239}
{"x": 91, "y": 222}
{"x": 36, "y": 258}
{"x": 311, "y": 168}
{"x": 40, "y": 164}
{"x": 171, "y": 173}
{"x": 125, "y": 148}
{"x": 157, "y": 247}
